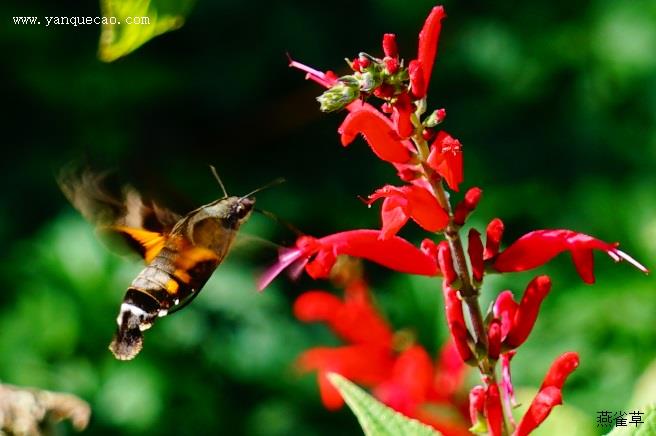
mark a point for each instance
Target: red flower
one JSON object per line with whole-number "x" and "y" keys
{"x": 527, "y": 312}
{"x": 379, "y": 133}
{"x": 504, "y": 310}
{"x": 549, "y": 394}
{"x": 318, "y": 256}
{"x": 446, "y": 159}
{"x": 418, "y": 84}
{"x": 402, "y": 110}
{"x": 540, "y": 246}
{"x": 428, "y": 38}
{"x": 493, "y": 410}
{"x": 456, "y": 322}
{"x": 354, "y": 320}
{"x": 410, "y": 201}
{"x": 364, "y": 364}
{"x": 411, "y": 382}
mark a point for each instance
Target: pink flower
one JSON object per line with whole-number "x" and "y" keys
{"x": 540, "y": 246}
{"x": 410, "y": 201}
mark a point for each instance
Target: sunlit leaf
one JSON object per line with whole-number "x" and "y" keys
{"x": 121, "y": 38}
{"x": 375, "y": 418}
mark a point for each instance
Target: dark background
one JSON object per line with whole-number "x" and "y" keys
{"x": 554, "y": 101}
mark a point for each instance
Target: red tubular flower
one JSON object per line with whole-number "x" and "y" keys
{"x": 354, "y": 320}
{"x": 493, "y": 410}
{"x": 446, "y": 159}
{"x": 402, "y": 110}
{"x": 493, "y": 235}
{"x": 494, "y": 339}
{"x": 549, "y": 394}
{"x": 475, "y": 251}
{"x": 319, "y": 255}
{"x": 504, "y": 309}
{"x": 445, "y": 261}
{"x": 467, "y": 205}
{"x": 449, "y": 374}
{"x": 410, "y": 383}
{"x": 476, "y": 404}
{"x": 540, "y": 246}
{"x": 527, "y": 312}
{"x": 364, "y": 364}
{"x": 410, "y": 201}
{"x": 389, "y": 45}
{"x": 376, "y": 130}
{"x": 456, "y": 321}
{"x": 418, "y": 84}
{"x": 428, "y": 38}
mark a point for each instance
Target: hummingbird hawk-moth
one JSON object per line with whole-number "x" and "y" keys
{"x": 180, "y": 252}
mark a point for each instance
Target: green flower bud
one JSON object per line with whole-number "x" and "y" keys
{"x": 338, "y": 97}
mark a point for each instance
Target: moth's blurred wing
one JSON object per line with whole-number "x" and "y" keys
{"x": 144, "y": 225}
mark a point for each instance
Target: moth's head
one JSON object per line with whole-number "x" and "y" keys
{"x": 239, "y": 210}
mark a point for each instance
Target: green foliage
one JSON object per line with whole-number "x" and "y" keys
{"x": 117, "y": 40}
{"x": 376, "y": 419}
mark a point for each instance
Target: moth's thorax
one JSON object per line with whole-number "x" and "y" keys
{"x": 216, "y": 224}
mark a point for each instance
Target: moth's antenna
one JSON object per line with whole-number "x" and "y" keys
{"x": 279, "y": 220}
{"x": 218, "y": 179}
{"x": 272, "y": 183}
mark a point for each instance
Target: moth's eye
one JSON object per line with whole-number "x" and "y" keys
{"x": 241, "y": 211}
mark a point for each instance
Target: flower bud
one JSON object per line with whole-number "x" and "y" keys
{"x": 494, "y": 339}
{"x": 338, "y": 97}
{"x": 417, "y": 80}
{"x": 435, "y": 118}
{"x": 428, "y": 134}
{"x": 391, "y": 65}
{"x": 446, "y": 263}
{"x": 467, "y": 205}
{"x": 456, "y": 322}
{"x": 389, "y": 45}
{"x": 494, "y": 232}
{"x": 475, "y": 251}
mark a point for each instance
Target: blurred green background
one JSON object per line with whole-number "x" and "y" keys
{"x": 555, "y": 102}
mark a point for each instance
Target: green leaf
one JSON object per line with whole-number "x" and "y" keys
{"x": 375, "y": 418}
{"x": 121, "y": 38}
{"x": 647, "y": 428}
